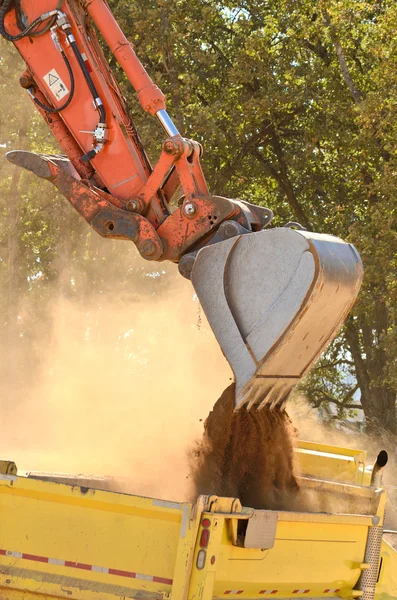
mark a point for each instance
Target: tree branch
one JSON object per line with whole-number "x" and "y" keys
{"x": 283, "y": 179}
{"x": 319, "y": 50}
{"x": 354, "y": 91}
{"x": 352, "y": 338}
{"x": 342, "y": 403}
{"x": 333, "y": 364}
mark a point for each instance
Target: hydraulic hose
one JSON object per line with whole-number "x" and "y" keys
{"x": 5, "y": 7}
{"x": 21, "y": 26}
{"x": 97, "y": 100}
{"x": 31, "y": 30}
{"x": 28, "y": 31}
{"x": 51, "y": 109}
{"x": 18, "y": 14}
{"x": 87, "y": 76}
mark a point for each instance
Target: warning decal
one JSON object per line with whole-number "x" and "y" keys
{"x": 56, "y": 85}
{"x": 52, "y": 79}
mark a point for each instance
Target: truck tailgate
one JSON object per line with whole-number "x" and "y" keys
{"x": 74, "y": 541}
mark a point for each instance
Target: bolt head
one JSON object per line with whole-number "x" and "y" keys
{"x": 133, "y": 206}
{"x": 171, "y": 147}
{"x": 190, "y": 209}
{"x": 26, "y": 81}
{"x": 148, "y": 248}
{"x": 229, "y": 230}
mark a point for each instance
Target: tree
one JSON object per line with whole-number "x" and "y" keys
{"x": 295, "y": 105}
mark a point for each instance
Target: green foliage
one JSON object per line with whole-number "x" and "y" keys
{"x": 296, "y": 105}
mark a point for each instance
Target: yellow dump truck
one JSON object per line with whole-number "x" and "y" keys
{"x": 62, "y": 537}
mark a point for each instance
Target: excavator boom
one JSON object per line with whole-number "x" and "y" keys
{"x": 274, "y": 298}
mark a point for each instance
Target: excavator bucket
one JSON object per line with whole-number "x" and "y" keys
{"x": 275, "y": 299}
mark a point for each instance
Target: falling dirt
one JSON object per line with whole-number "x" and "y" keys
{"x": 246, "y": 455}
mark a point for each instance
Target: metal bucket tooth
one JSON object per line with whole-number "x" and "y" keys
{"x": 266, "y": 393}
{"x": 275, "y": 299}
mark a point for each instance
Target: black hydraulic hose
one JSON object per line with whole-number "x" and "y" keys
{"x": 14, "y": 38}
{"x": 29, "y": 30}
{"x": 51, "y": 109}
{"x": 97, "y": 100}
{"x": 18, "y": 14}
{"x": 87, "y": 76}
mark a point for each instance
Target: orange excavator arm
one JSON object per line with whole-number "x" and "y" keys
{"x": 108, "y": 177}
{"x": 275, "y": 299}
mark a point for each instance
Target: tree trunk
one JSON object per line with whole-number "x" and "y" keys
{"x": 377, "y": 399}
{"x": 14, "y": 371}
{"x": 171, "y": 67}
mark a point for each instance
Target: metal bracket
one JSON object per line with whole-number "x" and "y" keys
{"x": 8, "y": 467}
{"x": 261, "y": 530}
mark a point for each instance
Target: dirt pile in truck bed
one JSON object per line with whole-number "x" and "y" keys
{"x": 246, "y": 454}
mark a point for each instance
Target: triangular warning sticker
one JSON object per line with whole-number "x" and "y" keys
{"x": 52, "y": 79}
{"x": 55, "y": 83}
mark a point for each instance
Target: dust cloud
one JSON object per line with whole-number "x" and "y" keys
{"x": 312, "y": 428}
{"x": 121, "y": 390}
